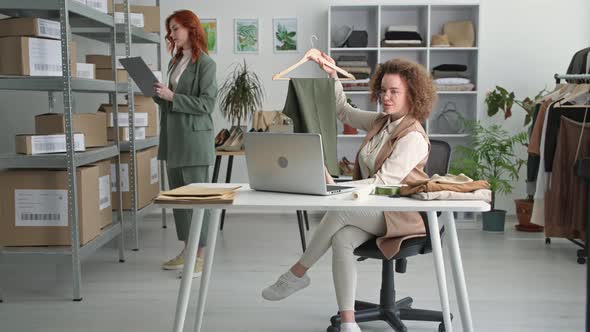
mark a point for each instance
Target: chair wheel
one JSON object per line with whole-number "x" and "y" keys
{"x": 581, "y": 260}
{"x": 547, "y": 240}
{"x": 332, "y": 329}
{"x": 441, "y": 327}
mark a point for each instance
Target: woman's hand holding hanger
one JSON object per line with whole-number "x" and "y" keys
{"x": 321, "y": 61}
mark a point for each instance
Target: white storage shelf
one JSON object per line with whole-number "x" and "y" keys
{"x": 429, "y": 19}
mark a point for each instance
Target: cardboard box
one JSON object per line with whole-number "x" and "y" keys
{"x": 107, "y": 74}
{"x": 43, "y": 144}
{"x": 34, "y": 207}
{"x": 104, "y": 193}
{"x": 148, "y": 181}
{"x": 103, "y": 6}
{"x": 147, "y": 104}
{"x": 30, "y": 27}
{"x": 124, "y": 133}
{"x": 136, "y": 19}
{"x": 146, "y": 115}
{"x": 92, "y": 125}
{"x": 32, "y": 56}
{"x": 86, "y": 70}
{"x": 103, "y": 61}
{"x": 151, "y": 16}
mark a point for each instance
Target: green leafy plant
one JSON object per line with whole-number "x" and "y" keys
{"x": 501, "y": 99}
{"x": 491, "y": 157}
{"x": 286, "y": 39}
{"x": 241, "y": 94}
{"x": 247, "y": 37}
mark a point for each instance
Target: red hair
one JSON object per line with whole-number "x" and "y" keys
{"x": 196, "y": 34}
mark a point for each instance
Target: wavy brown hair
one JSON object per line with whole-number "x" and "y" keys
{"x": 196, "y": 34}
{"x": 421, "y": 91}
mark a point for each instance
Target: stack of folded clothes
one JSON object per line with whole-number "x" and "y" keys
{"x": 402, "y": 36}
{"x": 357, "y": 65}
{"x": 448, "y": 187}
{"x": 451, "y": 77}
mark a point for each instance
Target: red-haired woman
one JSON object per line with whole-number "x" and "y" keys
{"x": 186, "y": 126}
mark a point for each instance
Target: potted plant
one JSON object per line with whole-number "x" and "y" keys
{"x": 501, "y": 99}
{"x": 241, "y": 94}
{"x": 491, "y": 157}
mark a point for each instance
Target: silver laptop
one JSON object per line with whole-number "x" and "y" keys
{"x": 292, "y": 163}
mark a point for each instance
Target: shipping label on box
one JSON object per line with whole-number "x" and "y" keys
{"x": 104, "y": 194}
{"x": 124, "y": 178}
{"x": 40, "y": 208}
{"x": 136, "y": 19}
{"x": 55, "y": 143}
{"x": 141, "y": 119}
{"x": 44, "y": 57}
{"x": 139, "y": 133}
{"x": 85, "y": 70}
{"x": 154, "y": 170}
{"x": 100, "y": 5}
{"x": 49, "y": 29}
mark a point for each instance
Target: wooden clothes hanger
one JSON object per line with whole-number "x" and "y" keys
{"x": 312, "y": 54}
{"x": 577, "y": 91}
{"x": 559, "y": 89}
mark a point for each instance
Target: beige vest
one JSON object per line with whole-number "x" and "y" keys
{"x": 400, "y": 225}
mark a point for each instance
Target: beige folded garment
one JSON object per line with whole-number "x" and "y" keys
{"x": 355, "y": 70}
{"x": 451, "y": 179}
{"x": 481, "y": 194}
{"x": 199, "y": 191}
{"x": 454, "y": 87}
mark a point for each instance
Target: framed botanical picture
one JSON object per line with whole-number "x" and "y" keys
{"x": 246, "y": 35}
{"x": 210, "y": 26}
{"x": 285, "y": 35}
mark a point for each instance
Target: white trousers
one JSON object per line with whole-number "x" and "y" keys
{"x": 344, "y": 232}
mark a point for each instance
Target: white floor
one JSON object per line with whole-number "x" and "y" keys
{"x": 515, "y": 283}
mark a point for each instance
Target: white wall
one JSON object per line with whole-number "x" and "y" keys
{"x": 523, "y": 43}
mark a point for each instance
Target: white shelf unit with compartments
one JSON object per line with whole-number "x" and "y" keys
{"x": 429, "y": 17}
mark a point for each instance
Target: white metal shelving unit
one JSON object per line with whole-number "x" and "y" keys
{"x": 79, "y": 19}
{"x": 429, "y": 18}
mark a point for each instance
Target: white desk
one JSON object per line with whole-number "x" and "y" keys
{"x": 248, "y": 199}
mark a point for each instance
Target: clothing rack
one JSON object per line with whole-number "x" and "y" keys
{"x": 559, "y": 77}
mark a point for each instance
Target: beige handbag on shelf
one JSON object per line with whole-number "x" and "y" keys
{"x": 460, "y": 33}
{"x": 272, "y": 121}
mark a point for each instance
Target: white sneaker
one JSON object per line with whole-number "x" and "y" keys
{"x": 287, "y": 284}
{"x": 349, "y": 327}
{"x": 198, "y": 268}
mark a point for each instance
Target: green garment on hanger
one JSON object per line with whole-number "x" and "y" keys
{"x": 311, "y": 104}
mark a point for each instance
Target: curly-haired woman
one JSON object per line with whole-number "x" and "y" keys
{"x": 394, "y": 151}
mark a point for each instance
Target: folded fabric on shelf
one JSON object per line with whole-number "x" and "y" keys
{"x": 480, "y": 194}
{"x": 402, "y": 35}
{"x": 352, "y": 63}
{"x": 452, "y": 80}
{"x": 355, "y": 70}
{"x": 446, "y": 74}
{"x": 356, "y": 86}
{"x": 455, "y": 87}
{"x": 450, "y": 67}
{"x": 352, "y": 58}
{"x": 401, "y": 43}
{"x": 358, "y": 76}
{"x": 402, "y": 28}
{"x": 432, "y": 186}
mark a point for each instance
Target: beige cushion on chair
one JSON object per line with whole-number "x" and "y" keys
{"x": 461, "y": 33}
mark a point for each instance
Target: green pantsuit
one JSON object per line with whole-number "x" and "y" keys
{"x": 186, "y": 134}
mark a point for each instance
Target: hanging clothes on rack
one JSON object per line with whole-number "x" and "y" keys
{"x": 565, "y": 210}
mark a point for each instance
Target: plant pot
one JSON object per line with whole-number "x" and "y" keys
{"x": 348, "y": 130}
{"x": 524, "y": 210}
{"x": 493, "y": 221}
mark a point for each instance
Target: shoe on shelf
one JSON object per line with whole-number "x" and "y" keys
{"x": 287, "y": 284}
{"x": 198, "y": 268}
{"x": 233, "y": 133}
{"x": 237, "y": 144}
{"x": 221, "y": 137}
{"x": 176, "y": 263}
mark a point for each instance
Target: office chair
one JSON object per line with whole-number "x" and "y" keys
{"x": 388, "y": 309}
